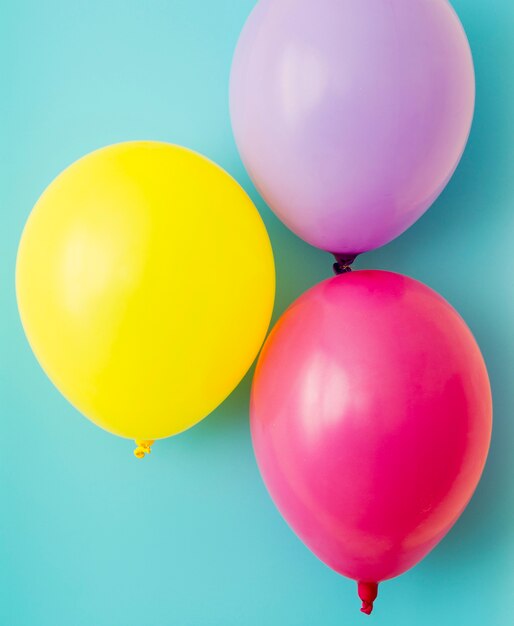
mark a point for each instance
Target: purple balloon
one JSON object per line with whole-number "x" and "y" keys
{"x": 351, "y": 115}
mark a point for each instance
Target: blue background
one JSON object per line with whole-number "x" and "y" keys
{"x": 189, "y": 537}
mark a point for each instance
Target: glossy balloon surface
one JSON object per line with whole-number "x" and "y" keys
{"x": 145, "y": 283}
{"x": 351, "y": 115}
{"x": 371, "y": 420}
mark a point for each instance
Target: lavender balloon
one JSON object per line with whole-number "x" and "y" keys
{"x": 351, "y": 115}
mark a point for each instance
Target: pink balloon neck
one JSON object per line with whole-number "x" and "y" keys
{"x": 367, "y": 593}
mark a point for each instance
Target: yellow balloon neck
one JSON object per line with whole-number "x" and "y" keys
{"x": 144, "y": 447}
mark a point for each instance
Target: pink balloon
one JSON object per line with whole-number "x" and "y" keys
{"x": 351, "y": 115}
{"x": 371, "y": 420}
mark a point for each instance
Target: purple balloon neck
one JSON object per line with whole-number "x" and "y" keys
{"x": 343, "y": 262}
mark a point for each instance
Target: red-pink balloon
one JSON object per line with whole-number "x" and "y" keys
{"x": 371, "y": 420}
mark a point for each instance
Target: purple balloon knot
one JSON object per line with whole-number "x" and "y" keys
{"x": 343, "y": 263}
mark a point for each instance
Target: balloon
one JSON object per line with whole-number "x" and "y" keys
{"x": 351, "y": 115}
{"x": 145, "y": 283}
{"x": 371, "y": 422}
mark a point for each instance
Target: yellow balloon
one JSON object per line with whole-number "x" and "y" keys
{"x": 145, "y": 284}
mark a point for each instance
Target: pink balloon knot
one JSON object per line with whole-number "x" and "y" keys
{"x": 366, "y": 607}
{"x": 367, "y": 593}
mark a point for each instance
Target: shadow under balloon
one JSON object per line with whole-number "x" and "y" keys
{"x": 467, "y": 210}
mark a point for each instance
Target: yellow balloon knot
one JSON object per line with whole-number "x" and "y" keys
{"x": 144, "y": 447}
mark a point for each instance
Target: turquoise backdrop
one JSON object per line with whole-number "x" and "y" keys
{"x": 89, "y": 536}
